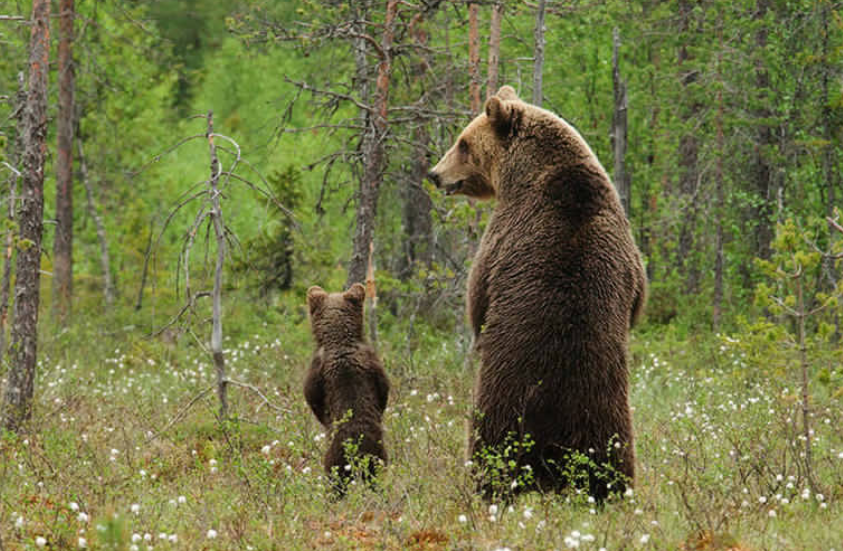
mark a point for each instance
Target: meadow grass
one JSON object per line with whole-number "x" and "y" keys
{"x": 113, "y": 459}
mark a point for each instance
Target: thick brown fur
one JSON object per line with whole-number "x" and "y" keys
{"x": 346, "y": 386}
{"x": 555, "y": 286}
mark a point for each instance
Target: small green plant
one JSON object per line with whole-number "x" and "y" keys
{"x": 799, "y": 295}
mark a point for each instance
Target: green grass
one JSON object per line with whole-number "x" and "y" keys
{"x": 718, "y": 447}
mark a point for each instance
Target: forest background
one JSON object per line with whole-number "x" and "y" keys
{"x": 720, "y": 123}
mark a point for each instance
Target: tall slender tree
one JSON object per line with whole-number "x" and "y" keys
{"x": 538, "y": 52}
{"x": 374, "y": 157}
{"x": 17, "y": 400}
{"x": 474, "y": 57}
{"x": 494, "y": 48}
{"x": 63, "y": 243}
{"x": 619, "y": 126}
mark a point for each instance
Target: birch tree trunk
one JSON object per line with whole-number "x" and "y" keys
{"x": 17, "y": 400}
{"x": 63, "y": 242}
{"x": 538, "y": 57}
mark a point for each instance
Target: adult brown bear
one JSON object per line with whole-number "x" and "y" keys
{"x": 555, "y": 286}
{"x": 346, "y": 386}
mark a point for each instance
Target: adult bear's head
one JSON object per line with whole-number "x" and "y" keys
{"x": 510, "y": 137}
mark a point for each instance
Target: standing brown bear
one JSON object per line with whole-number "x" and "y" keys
{"x": 555, "y": 286}
{"x": 346, "y": 386}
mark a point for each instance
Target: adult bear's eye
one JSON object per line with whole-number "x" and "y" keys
{"x": 463, "y": 146}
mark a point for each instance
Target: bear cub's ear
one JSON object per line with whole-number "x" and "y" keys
{"x": 499, "y": 115}
{"x": 356, "y": 294}
{"x": 315, "y": 298}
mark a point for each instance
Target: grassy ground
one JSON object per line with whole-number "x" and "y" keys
{"x": 125, "y": 452}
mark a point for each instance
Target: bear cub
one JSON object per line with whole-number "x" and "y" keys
{"x": 346, "y": 386}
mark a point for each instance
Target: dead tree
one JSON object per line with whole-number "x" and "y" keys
{"x": 17, "y": 400}
{"x": 63, "y": 242}
{"x": 209, "y": 216}
{"x": 619, "y": 127}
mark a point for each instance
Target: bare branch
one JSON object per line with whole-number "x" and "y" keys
{"x": 178, "y": 417}
{"x": 259, "y": 393}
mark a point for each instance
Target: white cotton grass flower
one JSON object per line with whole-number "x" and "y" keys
{"x": 135, "y": 508}
{"x": 82, "y": 517}
{"x": 462, "y": 519}
{"x": 73, "y": 506}
{"x": 182, "y": 500}
{"x": 82, "y": 543}
{"x": 40, "y": 541}
{"x": 645, "y": 538}
{"x": 136, "y": 537}
{"x": 172, "y": 538}
{"x": 211, "y": 534}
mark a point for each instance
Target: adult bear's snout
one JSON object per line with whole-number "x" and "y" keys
{"x": 434, "y": 178}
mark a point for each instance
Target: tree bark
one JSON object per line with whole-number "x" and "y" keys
{"x": 374, "y": 156}
{"x": 63, "y": 242}
{"x": 17, "y": 400}
{"x": 538, "y": 57}
{"x": 474, "y": 57}
{"x": 494, "y": 48}
{"x": 619, "y": 127}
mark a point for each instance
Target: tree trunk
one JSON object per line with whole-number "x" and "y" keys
{"x": 374, "y": 158}
{"x": 762, "y": 172}
{"x": 15, "y": 156}
{"x": 717, "y": 299}
{"x": 102, "y": 238}
{"x": 474, "y": 57}
{"x": 688, "y": 157}
{"x": 216, "y": 295}
{"x": 830, "y": 175}
{"x": 494, "y": 48}
{"x": 63, "y": 243}
{"x": 417, "y": 220}
{"x": 538, "y": 57}
{"x": 619, "y": 127}
{"x": 17, "y": 400}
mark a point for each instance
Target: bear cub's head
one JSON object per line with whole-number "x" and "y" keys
{"x": 336, "y": 318}
{"x": 468, "y": 167}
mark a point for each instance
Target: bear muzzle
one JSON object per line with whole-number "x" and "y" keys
{"x": 449, "y": 189}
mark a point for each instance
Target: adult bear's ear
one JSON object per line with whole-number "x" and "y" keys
{"x": 499, "y": 115}
{"x": 356, "y": 294}
{"x": 315, "y": 298}
{"x": 507, "y": 93}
